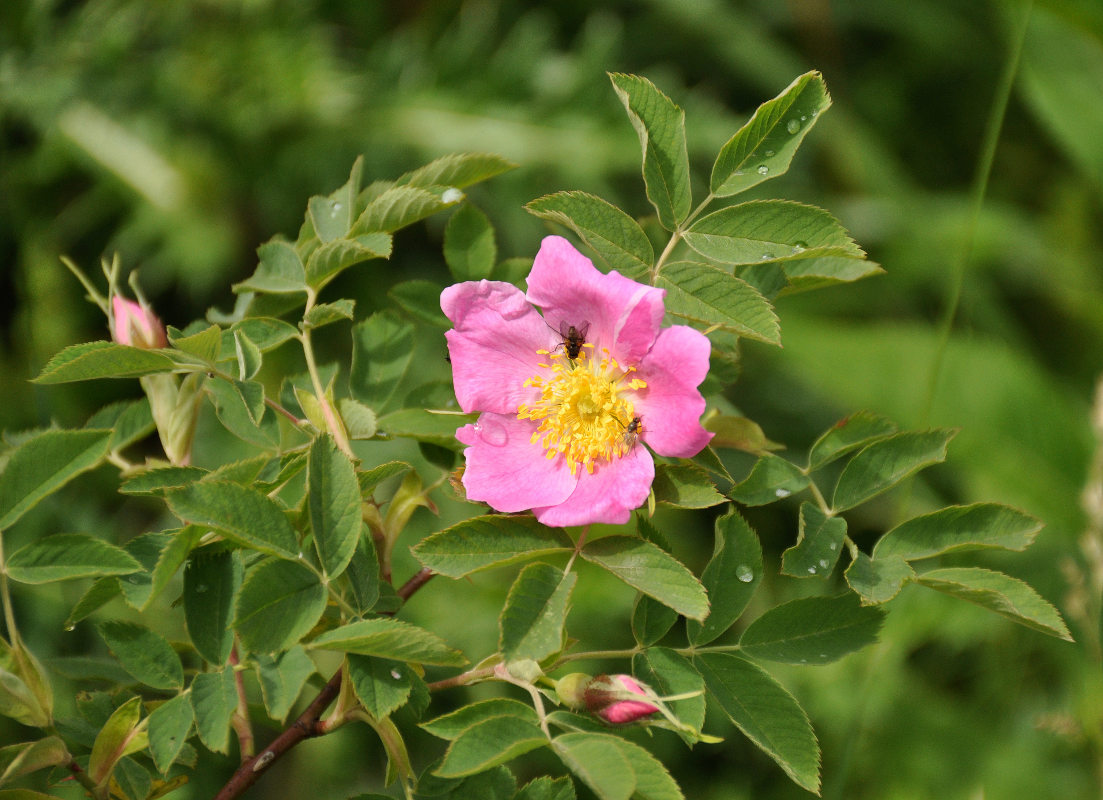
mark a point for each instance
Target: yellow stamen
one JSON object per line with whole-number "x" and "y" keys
{"x": 582, "y": 411}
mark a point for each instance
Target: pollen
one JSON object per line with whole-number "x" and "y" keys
{"x": 583, "y": 413}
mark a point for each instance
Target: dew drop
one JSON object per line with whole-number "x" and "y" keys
{"x": 782, "y": 493}
{"x": 744, "y": 573}
{"x": 396, "y": 674}
{"x": 335, "y": 209}
{"x": 300, "y": 554}
{"x": 823, "y": 655}
{"x": 70, "y": 628}
{"x": 792, "y": 125}
{"x": 767, "y": 256}
{"x": 804, "y": 661}
{"x": 834, "y": 546}
{"x": 763, "y": 169}
{"x": 451, "y": 195}
{"x": 811, "y": 570}
{"x": 738, "y": 172}
{"x": 823, "y": 563}
{"x": 803, "y": 117}
{"x": 201, "y": 588}
{"x": 769, "y": 153}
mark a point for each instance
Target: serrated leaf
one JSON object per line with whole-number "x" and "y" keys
{"x": 535, "y": 611}
{"x": 82, "y": 362}
{"x": 68, "y": 555}
{"x": 128, "y": 422}
{"x": 147, "y": 548}
{"x": 1007, "y": 596}
{"x": 772, "y": 478}
{"x": 172, "y": 557}
{"x": 332, "y": 215}
{"x": 424, "y": 425}
{"x": 669, "y": 674}
{"x": 400, "y": 206}
{"x": 249, "y": 357}
{"x": 598, "y": 760}
{"x": 211, "y": 584}
{"x": 649, "y": 569}
{"x": 881, "y": 465}
{"x": 333, "y": 258}
{"x": 169, "y": 726}
{"x": 420, "y": 299}
{"x": 488, "y": 541}
{"x": 767, "y": 230}
{"x": 27, "y": 757}
{"x": 651, "y": 620}
{"x": 144, "y": 654}
{"x": 382, "y": 685}
{"x": 848, "y": 434}
{"x": 771, "y": 137}
{"x": 382, "y": 353}
{"x": 240, "y": 408}
{"x": 458, "y": 169}
{"x": 545, "y": 788}
{"x": 469, "y": 246}
{"x": 214, "y": 699}
{"x": 812, "y": 271}
{"x": 206, "y": 345}
{"x": 279, "y": 271}
{"x": 45, "y": 463}
{"x": 812, "y": 630}
{"x": 712, "y": 297}
{"x": 359, "y": 420}
{"x": 328, "y": 313}
{"x": 390, "y": 638}
{"x": 738, "y": 433}
{"x": 282, "y": 677}
{"x": 730, "y": 578}
{"x": 450, "y": 726}
{"x": 878, "y": 581}
{"x": 242, "y": 514}
{"x": 960, "y": 528}
{"x": 765, "y": 712}
{"x": 279, "y": 603}
{"x": 96, "y": 597}
{"x": 653, "y": 782}
{"x": 266, "y": 333}
{"x": 155, "y": 481}
{"x": 131, "y": 780}
{"x": 362, "y": 575}
{"x": 661, "y": 127}
{"x": 685, "y": 485}
{"x": 333, "y": 500}
{"x": 118, "y": 738}
{"x": 617, "y": 238}
{"x": 489, "y": 743}
{"x": 819, "y": 543}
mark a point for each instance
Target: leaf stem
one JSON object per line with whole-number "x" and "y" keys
{"x": 240, "y": 719}
{"x": 5, "y": 598}
{"x": 676, "y": 236}
{"x": 334, "y": 425}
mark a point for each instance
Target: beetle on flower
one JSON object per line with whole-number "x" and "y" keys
{"x": 551, "y": 432}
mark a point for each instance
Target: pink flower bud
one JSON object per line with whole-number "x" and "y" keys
{"x": 135, "y": 325}
{"x": 608, "y": 696}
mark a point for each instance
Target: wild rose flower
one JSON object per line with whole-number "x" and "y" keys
{"x": 563, "y": 414}
{"x": 136, "y": 325}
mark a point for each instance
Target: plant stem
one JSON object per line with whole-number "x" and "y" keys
{"x": 5, "y": 598}
{"x": 240, "y": 719}
{"x": 419, "y": 579}
{"x": 334, "y": 425}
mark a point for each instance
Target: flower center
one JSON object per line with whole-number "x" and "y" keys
{"x": 582, "y": 412}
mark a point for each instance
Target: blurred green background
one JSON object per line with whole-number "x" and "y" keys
{"x": 182, "y": 135}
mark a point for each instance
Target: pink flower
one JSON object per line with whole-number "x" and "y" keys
{"x": 561, "y": 419}
{"x": 136, "y": 325}
{"x": 605, "y": 696}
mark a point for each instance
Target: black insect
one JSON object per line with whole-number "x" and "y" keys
{"x": 573, "y": 338}
{"x": 631, "y": 433}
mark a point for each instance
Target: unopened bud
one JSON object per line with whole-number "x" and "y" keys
{"x": 136, "y": 325}
{"x": 611, "y": 698}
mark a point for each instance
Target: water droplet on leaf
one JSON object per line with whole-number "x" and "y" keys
{"x": 396, "y": 674}
{"x": 744, "y": 573}
{"x": 792, "y": 125}
{"x": 201, "y": 588}
{"x": 780, "y": 492}
{"x": 769, "y": 153}
{"x": 451, "y": 195}
{"x": 811, "y": 570}
{"x": 823, "y": 563}
{"x": 763, "y": 169}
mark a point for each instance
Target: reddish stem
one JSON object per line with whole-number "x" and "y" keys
{"x": 421, "y": 578}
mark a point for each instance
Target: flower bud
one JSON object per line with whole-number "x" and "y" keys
{"x": 610, "y": 697}
{"x": 136, "y": 325}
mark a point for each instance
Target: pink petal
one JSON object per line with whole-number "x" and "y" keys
{"x": 623, "y": 316}
{"x": 609, "y": 495}
{"x": 493, "y": 345}
{"x": 506, "y": 470}
{"x": 625, "y": 711}
{"x": 670, "y": 407}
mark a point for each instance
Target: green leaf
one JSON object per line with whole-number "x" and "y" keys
{"x": 147, "y": 548}
{"x": 617, "y": 238}
{"x": 169, "y": 726}
{"x": 381, "y": 684}
{"x": 489, "y": 743}
{"x": 280, "y": 271}
{"x": 811, "y": 271}
{"x": 42, "y": 465}
{"x": 421, "y": 300}
{"x": 880, "y": 580}
{"x": 171, "y": 558}
{"x": 82, "y": 362}
{"x": 813, "y": 630}
{"x": 362, "y": 575}
{"x": 731, "y": 577}
{"x": 712, "y": 297}
{"x": 68, "y": 555}
{"x": 279, "y": 603}
{"x": 766, "y": 230}
{"x": 265, "y": 332}
{"x": 738, "y": 433}
{"x": 960, "y": 528}
{"x": 249, "y": 357}
{"x": 331, "y": 259}
{"x": 96, "y": 597}
{"x": 545, "y": 788}
{"x": 450, "y": 726}
{"x": 154, "y": 482}
{"x": 849, "y": 434}
{"x": 360, "y": 421}
{"x": 651, "y": 620}
{"x": 685, "y": 485}
{"x": 765, "y": 712}
{"x": 535, "y": 612}
{"x": 772, "y": 478}
{"x": 819, "y": 543}
{"x": 771, "y": 137}
{"x": 669, "y": 673}
{"x": 653, "y": 782}
{"x": 652, "y": 571}
{"x": 886, "y": 462}
{"x": 457, "y": 169}
{"x": 144, "y": 654}
{"x": 400, "y": 206}
{"x": 240, "y": 409}
{"x": 27, "y": 757}
{"x": 382, "y": 353}
{"x": 1001, "y": 593}
{"x": 214, "y": 698}
{"x": 661, "y": 127}
{"x": 424, "y": 426}
{"x": 211, "y": 584}
{"x": 242, "y": 514}
{"x": 332, "y": 216}
{"x": 390, "y": 638}
{"x": 328, "y": 313}
{"x": 333, "y": 500}
{"x": 118, "y": 738}
{"x": 133, "y": 781}
{"x": 282, "y": 677}
{"x": 599, "y": 761}
{"x": 469, "y": 247}
{"x": 488, "y": 541}
{"x": 128, "y": 422}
